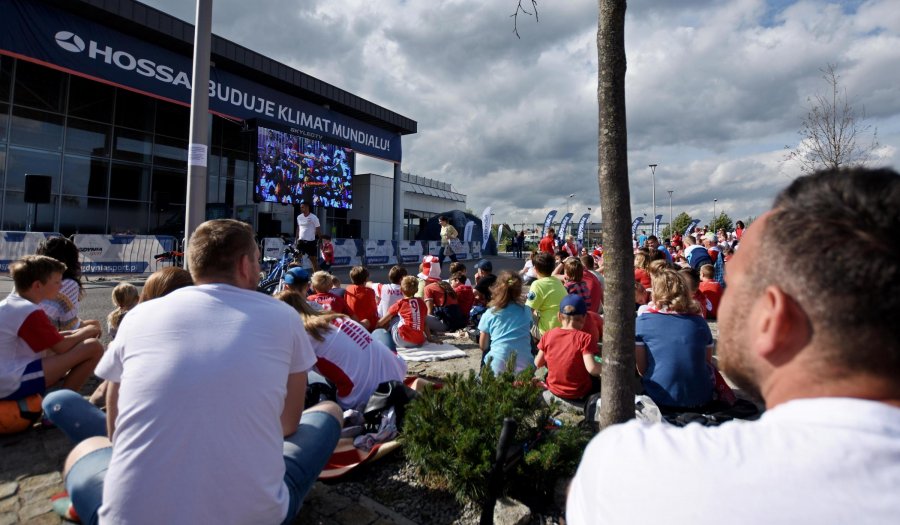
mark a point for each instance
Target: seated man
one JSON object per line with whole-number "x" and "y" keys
{"x": 25, "y": 369}
{"x": 817, "y": 338}
{"x": 205, "y": 401}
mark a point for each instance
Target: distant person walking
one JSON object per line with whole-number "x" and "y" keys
{"x": 448, "y": 232}
{"x": 308, "y": 232}
{"x": 519, "y": 245}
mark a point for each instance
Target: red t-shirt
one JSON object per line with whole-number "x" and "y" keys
{"x": 712, "y": 292}
{"x": 38, "y": 332}
{"x": 700, "y": 298}
{"x": 466, "y": 298}
{"x": 566, "y": 375}
{"x": 642, "y": 276}
{"x": 328, "y": 252}
{"x": 547, "y": 245}
{"x": 412, "y": 314}
{"x": 361, "y": 302}
{"x": 436, "y": 293}
{"x": 331, "y": 302}
{"x": 595, "y": 288}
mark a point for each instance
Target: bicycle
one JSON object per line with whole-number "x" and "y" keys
{"x": 174, "y": 257}
{"x": 273, "y": 280}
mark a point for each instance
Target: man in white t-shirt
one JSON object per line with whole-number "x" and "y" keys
{"x": 308, "y": 232}
{"x": 817, "y": 338}
{"x": 207, "y": 386}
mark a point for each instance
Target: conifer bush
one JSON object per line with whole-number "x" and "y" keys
{"x": 450, "y": 435}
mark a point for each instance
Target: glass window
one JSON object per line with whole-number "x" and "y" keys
{"x": 132, "y": 145}
{"x": 37, "y": 129}
{"x": 212, "y": 189}
{"x": 4, "y": 119}
{"x": 134, "y": 110}
{"x": 129, "y": 181}
{"x": 6, "y": 64}
{"x": 90, "y": 138}
{"x": 170, "y": 183}
{"x": 170, "y": 152}
{"x": 17, "y": 213}
{"x": 39, "y": 87}
{"x": 234, "y": 138}
{"x": 91, "y": 100}
{"x": 85, "y": 176}
{"x": 168, "y": 222}
{"x": 241, "y": 193}
{"x": 172, "y": 120}
{"x": 128, "y": 217}
{"x": 82, "y": 215}
{"x": 22, "y": 161}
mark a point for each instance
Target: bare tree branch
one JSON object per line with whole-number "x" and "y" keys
{"x": 520, "y": 9}
{"x": 832, "y": 134}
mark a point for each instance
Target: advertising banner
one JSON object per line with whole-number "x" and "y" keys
{"x": 273, "y": 247}
{"x": 564, "y": 225}
{"x": 474, "y": 251}
{"x": 582, "y": 224}
{"x": 346, "y": 253}
{"x": 122, "y": 253}
{"x": 410, "y": 251}
{"x": 656, "y": 225}
{"x": 13, "y": 245}
{"x": 486, "y": 227}
{"x": 548, "y": 221}
{"x": 56, "y": 38}
{"x": 380, "y": 252}
{"x": 691, "y": 227}
{"x": 635, "y": 224}
{"x": 467, "y": 232}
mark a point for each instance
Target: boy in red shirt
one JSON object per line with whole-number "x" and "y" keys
{"x": 322, "y": 282}
{"x": 711, "y": 289}
{"x": 465, "y": 295}
{"x": 568, "y": 354}
{"x": 361, "y": 299}
{"x": 27, "y": 331}
{"x": 410, "y": 330}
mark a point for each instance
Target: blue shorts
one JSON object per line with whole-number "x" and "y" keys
{"x": 305, "y": 454}
{"x": 33, "y": 381}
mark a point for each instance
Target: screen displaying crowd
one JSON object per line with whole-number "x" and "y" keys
{"x": 291, "y": 169}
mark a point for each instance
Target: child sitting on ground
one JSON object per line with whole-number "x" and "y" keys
{"x": 124, "y": 296}
{"x": 322, "y": 283}
{"x": 692, "y": 279}
{"x": 444, "y": 314}
{"x": 573, "y": 279}
{"x": 336, "y": 288}
{"x": 410, "y": 330}
{"x": 711, "y": 289}
{"x": 389, "y": 293}
{"x": 28, "y": 332}
{"x": 361, "y": 299}
{"x": 429, "y": 272}
{"x": 465, "y": 295}
{"x": 458, "y": 267}
{"x": 567, "y": 353}
{"x": 545, "y": 294}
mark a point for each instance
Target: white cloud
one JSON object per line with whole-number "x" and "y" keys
{"x": 715, "y": 89}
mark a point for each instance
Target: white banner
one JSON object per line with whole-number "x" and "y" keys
{"x": 346, "y": 253}
{"x": 123, "y": 253}
{"x": 273, "y": 247}
{"x": 13, "y": 245}
{"x": 467, "y": 235}
{"x": 475, "y": 250}
{"x": 380, "y": 252}
{"x": 410, "y": 251}
{"x": 485, "y": 227}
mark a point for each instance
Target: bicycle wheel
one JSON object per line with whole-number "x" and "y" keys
{"x": 268, "y": 287}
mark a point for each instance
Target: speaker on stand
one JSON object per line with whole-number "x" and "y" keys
{"x": 37, "y": 191}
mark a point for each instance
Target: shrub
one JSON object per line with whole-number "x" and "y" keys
{"x": 450, "y": 434}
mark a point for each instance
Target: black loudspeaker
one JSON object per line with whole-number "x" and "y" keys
{"x": 37, "y": 188}
{"x": 161, "y": 201}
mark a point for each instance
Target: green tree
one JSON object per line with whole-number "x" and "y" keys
{"x": 723, "y": 221}
{"x": 679, "y": 223}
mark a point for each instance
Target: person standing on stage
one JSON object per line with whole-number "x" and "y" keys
{"x": 308, "y": 231}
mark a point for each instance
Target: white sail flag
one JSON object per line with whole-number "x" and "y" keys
{"x": 485, "y": 227}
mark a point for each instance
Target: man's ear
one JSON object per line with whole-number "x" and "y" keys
{"x": 783, "y": 328}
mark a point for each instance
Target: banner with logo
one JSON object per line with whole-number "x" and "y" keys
{"x": 273, "y": 247}
{"x": 36, "y": 31}
{"x": 564, "y": 225}
{"x": 635, "y": 224}
{"x": 122, "y": 253}
{"x": 485, "y": 227}
{"x": 380, "y": 252}
{"x": 346, "y": 253}
{"x": 691, "y": 226}
{"x": 548, "y": 221}
{"x": 582, "y": 224}
{"x": 410, "y": 251}
{"x": 467, "y": 231}
{"x": 13, "y": 245}
{"x": 474, "y": 251}
{"x": 656, "y": 226}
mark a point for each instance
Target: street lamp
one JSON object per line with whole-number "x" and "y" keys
{"x": 653, "y": 181}
{"x": 671, "y": 226}
{"x": 713, "y": 222}
{"x": 588, "y": 227}
{"x": 567, "y": 201}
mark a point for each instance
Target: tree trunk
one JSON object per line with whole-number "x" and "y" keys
{"x": 618, "y": 328}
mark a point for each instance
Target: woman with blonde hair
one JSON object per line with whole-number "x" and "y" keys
{"x": 673, "y": 346}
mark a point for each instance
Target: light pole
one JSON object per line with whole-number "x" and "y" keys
{"x": 569, "y": 198}
{"x": 588, "y": 228}
{"x": 653, "y": 181}
{"x": 671, "y": 226}
{"x": 713, "y": 222}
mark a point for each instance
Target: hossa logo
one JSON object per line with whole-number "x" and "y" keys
{"x": 122, "y": 59}
{"x": 70, "y": 41}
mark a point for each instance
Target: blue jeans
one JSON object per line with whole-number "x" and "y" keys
{"x": 74, "y": 415}
{"x": 392, "y": 339}
{"x": 306, "y": 452}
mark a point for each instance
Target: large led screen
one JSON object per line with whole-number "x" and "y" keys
{"x": 292, "y": 168}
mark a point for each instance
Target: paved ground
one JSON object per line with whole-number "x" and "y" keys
{"x": 30, "y": 463}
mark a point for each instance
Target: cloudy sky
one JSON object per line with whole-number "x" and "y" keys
{"x": 715, "y": 89}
